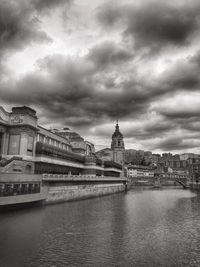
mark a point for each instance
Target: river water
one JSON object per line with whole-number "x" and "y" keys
{"x": 138, "y": 228}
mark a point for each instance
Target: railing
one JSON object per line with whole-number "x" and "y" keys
{"x": 54, "y": 152}
{"x": 5, "y": 162}
{"x": 60, "y": 177}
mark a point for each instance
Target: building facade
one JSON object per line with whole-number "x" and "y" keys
{"x": 136, "y": 171}
{"x": 78, "y": 144}
{"x": 26, "y": 147}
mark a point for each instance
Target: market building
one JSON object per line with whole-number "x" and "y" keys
{"x": 26, "y": 147}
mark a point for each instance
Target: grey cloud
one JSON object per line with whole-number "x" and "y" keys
{"x": 18, "y": 26}
{"x": 183, "y": 75}
{"x": 20, "y": 23}
{"x": 108, "y": 53}
{"x": 192, "y": 125}
{"x": 176, "y": 143}
{"x": 70, "y": 90}
{"x": 150, "y": 130}
{"x": 110, "y": 13}
{"x": 177, "y": 113}
{"x": 73, "y": 88}
{"x": 153, "y": 25}
{"x": 45, "y": 5}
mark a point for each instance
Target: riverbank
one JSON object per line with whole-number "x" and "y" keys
{"x": 16, "y": 189}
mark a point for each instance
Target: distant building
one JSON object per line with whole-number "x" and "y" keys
{"x": 117, "y": 150}
{"x": 167, "y": 156}
{"x": 186, "y": 156}
{"x": 138, "y": 171}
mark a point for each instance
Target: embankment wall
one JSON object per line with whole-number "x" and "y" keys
{"x": 74, "y": 192}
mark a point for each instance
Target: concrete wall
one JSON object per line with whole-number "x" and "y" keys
{"x": 75, "y": 192}
{"x": 61, "y": 190}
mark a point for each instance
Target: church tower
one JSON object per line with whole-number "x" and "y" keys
{"x": 117, "y": 146}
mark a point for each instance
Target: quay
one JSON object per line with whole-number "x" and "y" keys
{"x": 50, "y": 188}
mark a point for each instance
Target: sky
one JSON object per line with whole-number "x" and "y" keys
{"x": 83, "y": 64}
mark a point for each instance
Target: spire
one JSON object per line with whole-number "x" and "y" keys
{"x": 117, "y": 127}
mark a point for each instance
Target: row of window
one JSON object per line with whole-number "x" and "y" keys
{"x": 41, "y": 168}
{"x": 50, "y": 141}
{"x": 14, "y": 189}
{"x": 173, "y": 176}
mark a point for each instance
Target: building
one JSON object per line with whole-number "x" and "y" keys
{"x": 187, "y": 156}
{"x": 79, "y": 145}
{"x": 138, "y": 171}
{"x": 117, "y": 151}
{"x": 26, "y": 147}
{"x": 117, "y": 146}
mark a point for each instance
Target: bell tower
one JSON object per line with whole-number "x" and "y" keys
{"x": 117, "y": 145}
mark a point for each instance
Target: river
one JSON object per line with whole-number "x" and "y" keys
{"x": 138, "y": 228}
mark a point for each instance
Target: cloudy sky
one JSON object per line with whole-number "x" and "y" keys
{"x": 85, "y": 63}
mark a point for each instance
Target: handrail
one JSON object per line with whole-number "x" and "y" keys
{"x": 4, "y": 162}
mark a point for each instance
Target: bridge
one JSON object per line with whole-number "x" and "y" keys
{"x": 183, "y": 182}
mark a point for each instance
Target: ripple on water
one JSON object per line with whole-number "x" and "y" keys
{"x": 146, "y": 228}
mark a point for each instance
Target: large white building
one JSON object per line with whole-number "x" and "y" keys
{"x": 136, "y": 171}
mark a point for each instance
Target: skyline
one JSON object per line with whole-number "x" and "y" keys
{"x": 85, "y": 65}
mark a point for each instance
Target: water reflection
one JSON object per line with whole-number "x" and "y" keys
{"x": 140, "y": 228}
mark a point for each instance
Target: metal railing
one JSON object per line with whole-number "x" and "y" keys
{"x": 68, "y": 177}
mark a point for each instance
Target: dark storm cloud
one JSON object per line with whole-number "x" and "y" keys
{"x": 153, "y": 25}
{"x": 70, "y": 90}
{"x": 108, "y": 53}
{"x": 193, "y": 125}
{"x": 178, "y": 113}
{"x": 18, "y": 26}
{"x": 20, "y": 23}
{"x": 73, "y": 91}
{"x": 180, "y": 79}
{"x": 153, "y": 130}
{"x": 176, "y": 143}
{"x": 183, "y": 75}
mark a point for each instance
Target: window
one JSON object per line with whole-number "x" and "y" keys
{"x": 14, "y": 143}
{"x": 41, "y": 138}
{"x": 56, "y": 143}
{"x": 30, "y": 145}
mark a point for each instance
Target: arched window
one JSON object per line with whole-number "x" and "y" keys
{"x": 28, "y": 169}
